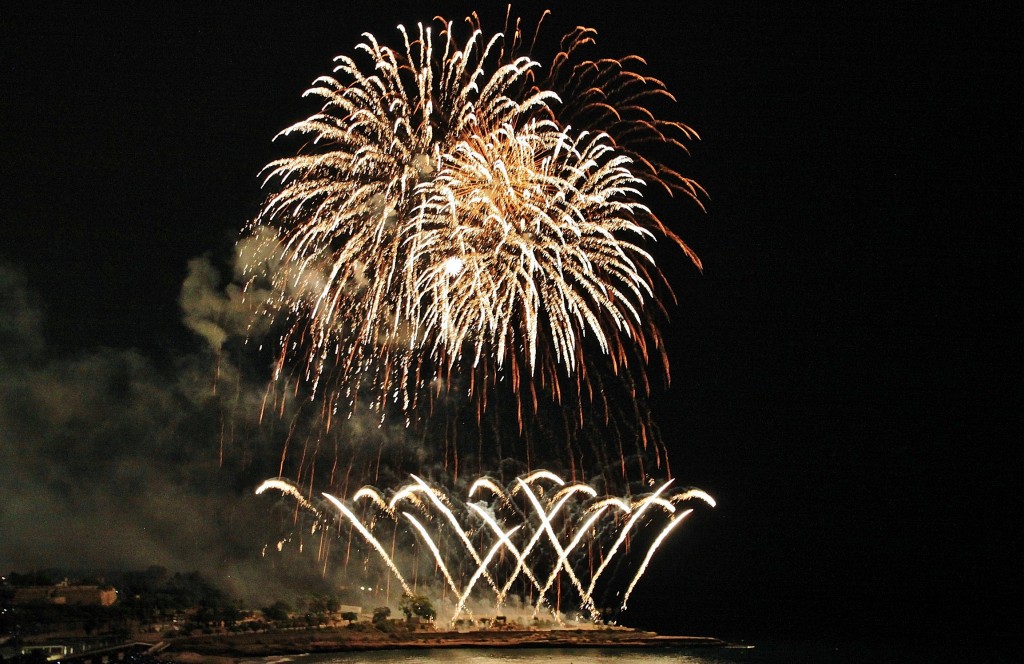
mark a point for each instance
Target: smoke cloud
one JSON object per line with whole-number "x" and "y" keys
{"x": 111, "y": 460}
{"x": 114, "y": 460}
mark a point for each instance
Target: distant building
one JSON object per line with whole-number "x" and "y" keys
{"x": 50, "y": 651}
{"x": 63, "y": 593}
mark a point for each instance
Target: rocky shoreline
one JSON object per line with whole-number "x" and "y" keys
{"x": 218, "y": 648}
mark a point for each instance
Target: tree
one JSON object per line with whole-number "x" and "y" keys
{"x": 417, "y": 605}
{"x": 381, "y": 614}
{"x": 317, "y": 604}
{"x": 350, "y": 616}
{"x": 279, "y": 610}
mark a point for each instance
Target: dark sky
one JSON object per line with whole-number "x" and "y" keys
{"x": 845, "y": 370}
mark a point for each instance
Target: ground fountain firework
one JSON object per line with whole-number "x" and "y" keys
{"x": 554, "y": 547}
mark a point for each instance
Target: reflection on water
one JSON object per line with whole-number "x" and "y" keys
{"x": 802, "y": 653}
{"x": 553, "y": 655}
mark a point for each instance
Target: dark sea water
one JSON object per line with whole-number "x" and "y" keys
{"x": 788, "y": 653}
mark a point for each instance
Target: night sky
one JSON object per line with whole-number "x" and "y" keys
{"x": 845, "y": 371}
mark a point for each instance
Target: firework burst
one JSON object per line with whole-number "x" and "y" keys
{"x": 463, "y": 215}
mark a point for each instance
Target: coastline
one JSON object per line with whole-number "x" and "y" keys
{"x": 220, "y": 648}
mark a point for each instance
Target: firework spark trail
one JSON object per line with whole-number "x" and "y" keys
{"x": 481, "y": 570}
{"x": 287, "y": 488}
{"x": 535, "y": 538}
{"x": 539, "y": 475}
{"x": 375, "y": 498}
{"x": 520, "y": 563}
{"x": 675, "y": 521}
{"x": 563, "y": 558}
{"x": 637, "y": 513}
{"x": 368, "y": 536}
{"x": 407, "y": 492}
{"x": 571, "y": 489}
{"x": 513, "y": 549}
{"x": 456, "y": 526}
{"x": 611, "y": 500}
{"x": 433, "y": 549}
{"x": 485, "y": 482}
{"x": 546, "y": 517}
{"x": 694, "y": 493}
{"x": 664, "y": 504}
